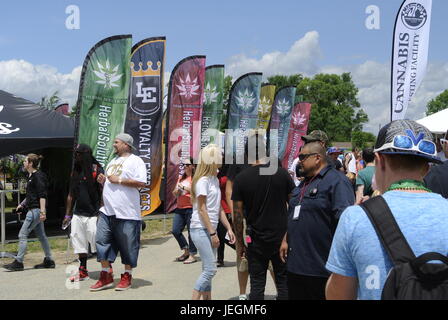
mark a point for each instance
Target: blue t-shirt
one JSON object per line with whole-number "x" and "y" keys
{"x": 357, "y": 252}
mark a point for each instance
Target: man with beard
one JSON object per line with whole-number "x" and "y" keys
{"x": 313, "y": 214}
{"x": 119, "y": 222}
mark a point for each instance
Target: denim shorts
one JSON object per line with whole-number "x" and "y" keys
{"x": 118, "y": 235}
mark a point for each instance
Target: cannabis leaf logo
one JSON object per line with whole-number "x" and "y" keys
{"x": 283, "y": 107}
{"x": 245, "y": 100}
{"x": 211, "y": 94}
{"x": 265, "y": 106}
{"x": 298, "y": 119}
{"x": 187, "y": 87}
{"x": 108, "y": 75}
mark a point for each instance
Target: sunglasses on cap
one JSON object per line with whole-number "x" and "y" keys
{"x": 443, "y": 141}
{"x": 407, "y": 144}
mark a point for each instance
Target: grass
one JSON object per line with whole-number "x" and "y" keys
{"x": 154, "y": 229}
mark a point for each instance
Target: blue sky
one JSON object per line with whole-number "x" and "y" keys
{"x": 225, "y": 31}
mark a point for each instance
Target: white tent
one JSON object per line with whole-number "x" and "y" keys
{"x": 436, "y": 123}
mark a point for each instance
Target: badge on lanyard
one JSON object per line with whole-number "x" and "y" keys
{"x": 296, "y": 212}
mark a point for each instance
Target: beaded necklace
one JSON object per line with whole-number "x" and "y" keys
{"x": 408, "y": 185}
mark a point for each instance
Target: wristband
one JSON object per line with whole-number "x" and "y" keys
{"x": 43, "y": 213}
{"x": 119, "y": 180}
{"x": 67, "y": 217}
{"x": 212, "y": 234}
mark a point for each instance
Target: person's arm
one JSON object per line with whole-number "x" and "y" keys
{"x": 69, "y": 206}
{"x": 43, "y": 212}
{"x": 126, "y": 182}
{"x": 239, "y": 226}
{"x": 341, "y": 288}
{"x": 226, "y": 224}
{"x": 284, "y": 248}
{"x": 203, "y": 215}
{"x": 359, "y": 193}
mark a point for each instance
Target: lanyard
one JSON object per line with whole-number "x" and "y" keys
{"x": 305, "y": 187}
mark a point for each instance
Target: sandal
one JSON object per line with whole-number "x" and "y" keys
{"x": 182, "y": 258}
{"x": 190, "y": 261}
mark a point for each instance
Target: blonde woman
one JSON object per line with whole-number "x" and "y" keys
{"x": 206, "y": 199}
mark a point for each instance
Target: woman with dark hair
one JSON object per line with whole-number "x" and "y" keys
{"x": 35, "y": 206}
{"x": 182, "y": 215}
{"x": 83, "y": 204}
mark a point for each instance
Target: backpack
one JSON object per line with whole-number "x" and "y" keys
{"x": 411, "y": 277}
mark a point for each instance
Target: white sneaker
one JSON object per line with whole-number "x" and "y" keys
{"x": 242, "y": 297}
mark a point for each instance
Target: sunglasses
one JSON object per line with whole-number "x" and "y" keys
{"x": 443, "y": 141}
{"x": 304, "y": 156}
{"x": 406, "y": 143}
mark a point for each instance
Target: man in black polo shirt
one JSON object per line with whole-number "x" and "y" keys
{"x": 313, "y": 214}
{"x": 263, "y": 198}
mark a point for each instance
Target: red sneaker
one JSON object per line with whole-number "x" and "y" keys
{"x": 106, "y": 281}
{"x": 82, "y": 275}
{"x": 125, "y": 282}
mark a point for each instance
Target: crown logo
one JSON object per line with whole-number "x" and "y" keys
{"x": 148, "y": 72}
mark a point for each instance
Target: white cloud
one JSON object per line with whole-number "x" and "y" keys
{"x": 300, "y": 58}
{"x": 32, "y": 82}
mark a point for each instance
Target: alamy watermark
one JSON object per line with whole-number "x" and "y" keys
{"x": 73, "y": 21}
{"x": 373, "y": 21}
{"x": 241, "y": 146}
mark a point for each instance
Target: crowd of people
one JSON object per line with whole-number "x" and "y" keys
{"x": 332, "y": 226}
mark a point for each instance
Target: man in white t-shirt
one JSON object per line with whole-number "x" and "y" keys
{"x": 119, "y": 222}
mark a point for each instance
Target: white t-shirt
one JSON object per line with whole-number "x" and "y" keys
{"x": 209, "y": 187}
{"x": 119, "y": 200}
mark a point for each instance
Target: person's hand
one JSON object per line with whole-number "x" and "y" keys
{"x": 101, "y": 178}
{"x": 231, "y": 236}
{"x": 66, "y": 219}
{"x": 113, "y": 179}
{"x": 18, "y": 209}
{"x": 284, "y": 251}
{"x": 215, "y": 241}
{"x": 42, "y": 216}
{"x": 364, "y": 199}
{"x": 240, "y": 250}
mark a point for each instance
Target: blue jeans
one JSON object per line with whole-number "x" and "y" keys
{"x": 181, "y": 219}
{"x": 117, "y": 235}
{"x": 32, "y": 222}
{"x": 202, "y": 240}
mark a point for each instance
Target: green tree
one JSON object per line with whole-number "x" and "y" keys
{"x": 362, "y": 140}
{"x": 284, "y": 81}
{"x": 227, "y": 88}
{"x": 438, "y": 104}
{"x": 50, "y": 102}
{"x": 336, "y": 109}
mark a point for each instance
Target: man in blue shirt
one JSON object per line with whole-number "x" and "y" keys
{"x": 313, "y": 214}
{"x": 358, "y": 261}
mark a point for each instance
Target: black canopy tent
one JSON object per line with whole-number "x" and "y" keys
{"x": 25, "y": 127}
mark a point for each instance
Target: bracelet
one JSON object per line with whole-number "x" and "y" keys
{"x": 119, "y": 180}
{"x": 67, "y": 217}
{"x": 43, "y": 213}
{"x": 213, "y": 234}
